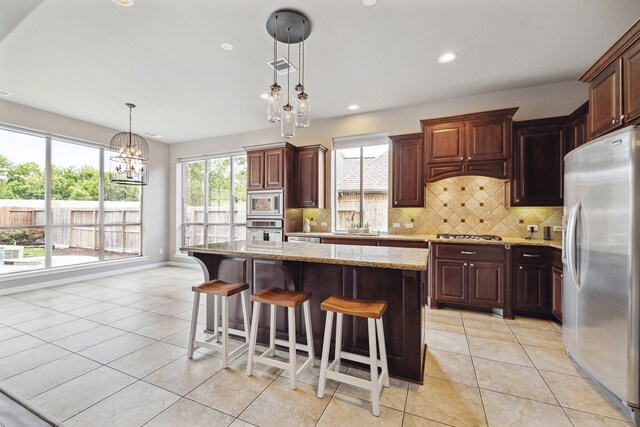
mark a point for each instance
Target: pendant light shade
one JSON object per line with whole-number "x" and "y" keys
{"x": 129, "y": 154}
{"x": 274, "y": 111}
{"x": 288, "y": 129}
{"x": 302, "y": 110}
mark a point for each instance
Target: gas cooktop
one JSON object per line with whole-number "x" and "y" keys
{"x": 469, "y": 236}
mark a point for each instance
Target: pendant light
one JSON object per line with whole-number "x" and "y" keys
{"x": 288, "y": 128}
{"x": 273, "y": 107}
{"x": 302, "y": 99}
{"x": 128, "y": 164}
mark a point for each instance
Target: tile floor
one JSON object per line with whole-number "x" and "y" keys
{"x": 112, "y": 352}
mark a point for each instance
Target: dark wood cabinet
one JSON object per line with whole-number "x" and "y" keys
{"x": 267, "y": 166}
{"x": 486, "y": 283}
{"x": 372, "y": 241}
{"x": 274, "y": 168}
{"x": 407, "y": 174}
{"x": 577, "y": 133}
{"x": 452, "y": 281}
{"x": 556, "y": 283}
{"x": 310, "y": 177}
{"x": 614, "y": 85}
{"x": 468, "y": 144}
{"x": 341, "y": 241}
{"x": 539, "y": 149}
{"x": 531, "y": 280}
{"x": 255, "y": 170}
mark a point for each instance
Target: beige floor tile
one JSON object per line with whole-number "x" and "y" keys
{"x": 66, "y": 329}
{"x": 240, "y": 363}
{"x": 299, "y": 407}
{"x": 504, "y": 410}
{"x": 187, "y": 413}
{"x": 181, "y": 339}
{"x": 512, "y": 379}
{"x": 480, "y": 316}
{"x": 311, "y": 376}
{"x": 394, "y": 396}
{"x": 75, "y": 304}
{"x": 111, "y": 316}
{"x": 29, "y": 359}
{"x": 444, "y": 323}
{"x": 130, "y": 299}
{"x": 108, "y": 351}
{"x": 488, "y": 328}
{"x": 61, "y": 298}
{"x": 142, "y": 362}
{"x": 183, "y": 375}
{"x": 163, "y": 328}
{"x": 18, "y": 344}
{"x": 130, "y": 407}
{"x": 231, "y": 391}
{"x": 448, "y": 341}
{"x": 44, "y": 322}
{"x": 529, "y": 322}
{"x": 450, "y": 312}
{"x": 26, "y": 313}
{"x": 581, "y": 394}
{"x": 83, "y": 340}
{"x": 70, "y": 398}
{"x": 446, "y": 402}
{"x": 584, "y": 419}
{"x": 7, "y": 332}
{"x": 176, "y": 307}
{"x": 450, "y": 366}
{"x": 16, "y": 309}
{"x": 150, "y": 303}
{"x": 186, "y": 315}
{"x": 501, "y": 351}
{"x": 345, "y": 410}
{"x": 138, "y": 321}
{"x": 91, "y": 309}
{"x": 538, "y": 337}
{"x": 239, "y": 423}
{"x": 416, "y": 421}
{"x": 44, "y": 377}
{"x": 552, "y": 360}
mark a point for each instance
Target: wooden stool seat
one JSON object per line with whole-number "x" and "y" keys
{"x": 220, "y": 288}
{"x": 281, "y": 297}
{"x": 354, "y": 307}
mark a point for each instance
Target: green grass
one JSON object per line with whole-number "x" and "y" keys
{"x": 34, "y": 251}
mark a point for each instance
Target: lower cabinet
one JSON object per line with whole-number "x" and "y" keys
{"x": 487, "y": 283}
{"x": 419, "y": 244}
{"x": 531, "y": 284}
{"x": 451, "y": 281}
{"x": 556, "y": 283}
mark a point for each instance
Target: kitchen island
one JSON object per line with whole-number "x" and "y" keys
{"x": 397, "y": 275}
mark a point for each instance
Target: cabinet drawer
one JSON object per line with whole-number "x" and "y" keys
{"x": 471, "y": 252}
{"x": 402, "y": 244}
{"x": 531, "y": 255}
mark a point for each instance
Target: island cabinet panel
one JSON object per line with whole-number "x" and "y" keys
{"x": 407, "y": 174}
{"x": 255, "y": 170}
{"x": 356, "y": 242}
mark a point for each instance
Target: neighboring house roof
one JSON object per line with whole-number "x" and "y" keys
{"x": 376, "y": 173}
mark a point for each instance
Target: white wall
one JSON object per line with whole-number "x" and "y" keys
{"x": 535, "y": 102}
{"x": 156, "y": 200}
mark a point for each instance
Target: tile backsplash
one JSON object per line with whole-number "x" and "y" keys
{"x": 469, "y": 205}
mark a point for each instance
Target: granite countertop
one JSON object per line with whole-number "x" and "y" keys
{"x": 516, "y": 241}
{"x": 363, "y": 256}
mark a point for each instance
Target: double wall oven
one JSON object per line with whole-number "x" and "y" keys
{"x": 265, "y": 216}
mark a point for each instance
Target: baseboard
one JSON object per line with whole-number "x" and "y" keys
{"x": 67, "y": 280}
{"x": 189, "y": 264}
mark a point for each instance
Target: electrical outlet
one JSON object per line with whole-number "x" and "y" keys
{"x": 396, "y": 225}
{"x": 532, "y": 228}
{"x": 313, "y": 223}
{"x": 408, "y": 225}
{"x": 323, "y": 224}
{"x": 557, "y": 228}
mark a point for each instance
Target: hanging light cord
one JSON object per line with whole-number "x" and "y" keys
{"x": 303, "y": 32}
{"x": 130, "y": 111}
{"x": 275, "y": 52}
{"x": 288, "y": 56}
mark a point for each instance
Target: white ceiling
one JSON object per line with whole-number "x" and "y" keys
{"x": 86, "y": 58}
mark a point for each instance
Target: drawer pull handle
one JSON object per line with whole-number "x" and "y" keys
{"x": 465, "y": 264}
{"x": 531, "y": 255}
{"x": 469, "y": 252}
{"x": 520, "y": 267}
{"x": 471, "y": 264}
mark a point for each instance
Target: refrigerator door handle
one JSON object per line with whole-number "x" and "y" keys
{"x": 571, "y": 243}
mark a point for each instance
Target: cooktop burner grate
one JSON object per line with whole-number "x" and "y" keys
{"x": 469, "y": 236}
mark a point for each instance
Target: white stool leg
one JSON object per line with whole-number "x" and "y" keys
{"x": 194, "y": 323}
{"x": 225, "y": 331}
{"x": 216, "y": 316}
{"x": 326, "y": 347}
{"x": 245, "y": 314}
{"x": 254, "y": 336}
{"x": 272, "y": 332}
{"x": 292, "y": 347}
{"x": 373, "y": 357}
{"x": 307, "y": 325}
{"x": 383, "y": 352}
{"x": 338, "y": 339}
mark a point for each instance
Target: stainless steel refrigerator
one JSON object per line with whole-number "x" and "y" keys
{"x": 601, "y": 256}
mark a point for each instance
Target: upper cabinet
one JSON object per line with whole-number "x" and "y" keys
{"x": 408, "y": 185}
{"x": 539, "y": 149}
{"x": 614, "y": 86}
{"x": 577, "y": 133}
{"x": 469, "y": 144}
{"x": 310, "y": 177}
{"x": 266, "y": 165}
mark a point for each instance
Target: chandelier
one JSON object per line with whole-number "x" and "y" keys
{"x": 128, "y": 165}
{"x": 289, "y": 27}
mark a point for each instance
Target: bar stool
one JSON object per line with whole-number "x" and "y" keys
{"x": 373, "y": 311}
{"x": 220, "y": 290}
{"x": 290, "y": 300}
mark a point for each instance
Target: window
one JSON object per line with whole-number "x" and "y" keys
{"x": 214, "y": 196}
{"x": 62, "y": 211}
{"x": 361, "y": 182}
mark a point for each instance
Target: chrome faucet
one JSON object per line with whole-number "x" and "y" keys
{"x": 359, "y": 215}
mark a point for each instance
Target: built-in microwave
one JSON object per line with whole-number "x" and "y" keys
{"x": 265, "y": 204}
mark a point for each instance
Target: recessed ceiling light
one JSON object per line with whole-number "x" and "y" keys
{"x": 264, "y": 96}
{"x": 447, "y": 57}
{"x": 369, "y": 2}
{"x": 353, "y": 107}
{"x": 153, "y": 135}
{"x": 124, "y": 2}
{"x": 5, "y": 93}
{"x": 227, "y": 46}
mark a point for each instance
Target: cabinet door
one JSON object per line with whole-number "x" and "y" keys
{"x": 488, "y": 140}
{"x": 451, "y": 281}
{"x": 578, "y": 132}
{"x": 538, "y": 169}
{"x": 408, "y": 186}
{"x": 604, "y": 101}
{"x": 307, "y": 176}
{"x": 444, "y": 143}
{"x": 486, "y": 284}
{"x": 274, "y": 168}
{"x": 556, "y": 304}
{"x": 255, "y": 170}
{"x": 631, "y": 84}
{"x": 530, "y": 288}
